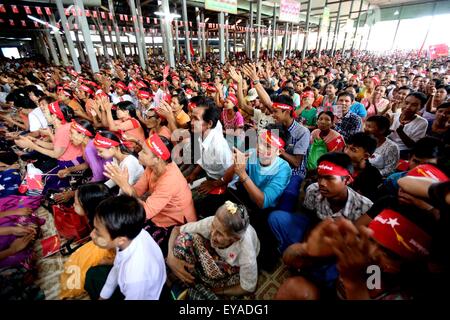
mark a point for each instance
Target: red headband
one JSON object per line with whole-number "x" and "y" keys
{"x": 211, "y": 88}
{"x": 56, "y": 110}
{"x": 75, "y": 125}
{"x": 102, "y": 142}
{"x": 73, "y": 72}
{"x": 327, "y": 168}
{"x": 86, "y": 89}
{"x": 131, "y": 86}
{"x": 101, "y": 94}
{"x": 67, "y": 94}
{"x": 233, "y": 99}
{"x": 428, "y": 171}
{"x": 121, "y": 85}
{"x": 398, "y": 234}
{"x": 282, "y": 106}
{"x": 189, "y": 91}
{"x": 157, "y": 146}
{"x": 192, "y": 105}
{"x": 144, "y": 94}
{"x": 307, "y": 94}
{"x": 272, "y": 139}
{"x": 154, "y": 82}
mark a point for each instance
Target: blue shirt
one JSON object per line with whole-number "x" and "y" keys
{"x": 359, "y": 109}
{"x": 271, "y": 180}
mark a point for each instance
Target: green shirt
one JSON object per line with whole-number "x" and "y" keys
{"x": 310, "y": 116}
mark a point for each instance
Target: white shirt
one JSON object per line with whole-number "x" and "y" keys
{"x": 37, "y": 120}
{"x": 242, "y": 253}
{"x": 135, "y": 170}
{"x": 216, "y": 155}
{"x": 415, "y": 130}
{"x": 139, "y": 270}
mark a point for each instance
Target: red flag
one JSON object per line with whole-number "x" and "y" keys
{"x": 94, "y": 14}
{"x": 438, "y": 50}
{"x": 121, "y": 17}
{"x": 109, "y": 28}
{"x": 190, "y": 24}
{"x": 148, "y": 20}
{"x": 11, "y": 22}
{"x": 110, "y": 16}
{"x": 24, "y": 24}
{"x": 124, "y": 29}
{"x": 48, "y": 11}
{"x": 14, "y": 9}
{"x": 75, "y": 26}
{"x": 155, "y": 21}
{"x": 191, "y": 48}
{"x": 27, "y": 9}
{"x": 126, "y": 17}
{"x": 103, "y": 15}
{"x": 2, "y": 8}
{"x": 87, "y": 13}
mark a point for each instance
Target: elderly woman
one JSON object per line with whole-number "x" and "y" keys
{"x": 216, "y": 255}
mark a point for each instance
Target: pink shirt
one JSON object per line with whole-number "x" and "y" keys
{"x": 62, "y": 140}
{"x": 234, "y": 123}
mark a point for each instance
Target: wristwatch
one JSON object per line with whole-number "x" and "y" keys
{"x": 255, "y": 81}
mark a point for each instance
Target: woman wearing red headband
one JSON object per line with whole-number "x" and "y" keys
{"x": 109, "y": 146}
{"x": 170, "y": 202}
{"x": 62, "y": 149}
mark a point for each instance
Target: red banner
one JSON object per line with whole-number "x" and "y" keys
{"x": 14, "y": 9}
{"x": 103, "y": 15}
{"x": 110, "y": 16}
{"x": 109, "y": 28}
{"x": 126, "y": 17}
{"x": 2, "y": 8}
{"x": 27, "y": 9}
{"x": 48, "y": 11}
{"x": 148, "y": 19}
{"x": 438, "y": 50}
{"x": 87, "y": 13}
{"x": 11, "y": 22}
{"x": 121, "y": 17}
{"x": 94, "y": 14}
{"x": 24, "y": 24}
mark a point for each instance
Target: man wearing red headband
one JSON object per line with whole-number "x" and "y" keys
{"x": 294, "y": 152}
{"x": 330, "y": 197}
{"x": 120, "y": 93}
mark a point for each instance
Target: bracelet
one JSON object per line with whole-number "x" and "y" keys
{"x": 255, "y": 81}
{"x": 243, "y": 181}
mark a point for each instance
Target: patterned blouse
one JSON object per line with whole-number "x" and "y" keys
{"x": 385, "y": 158}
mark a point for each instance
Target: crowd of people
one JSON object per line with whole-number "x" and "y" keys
{"x": 186, "y": 182}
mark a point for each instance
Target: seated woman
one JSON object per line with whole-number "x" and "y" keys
{"x": 87, "y": 198}
{"x": 216, "y": 256}
{"x": 109, "y": 146}
{"x": 62, "y": 148}
{"x": 170, "y": 201}
{"x": 377, "y": 104}
{"x": 333, "y": 139}
{"x": 127, "y": 122}
{"x": 233, "y": 122}
{"x": 386, "y": 155}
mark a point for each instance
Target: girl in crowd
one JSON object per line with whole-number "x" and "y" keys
{"x": 62, "y": 148}
{"x": 170, "y": 202}
{"x": 233, "y": 122}
{"x": 109, "y": 146}
{"x": 377, "y": 103}
{"x": 127, "y": 121}
{"x": 225, "y": 242}
{"x": 333, "y": 139}
{"x": 87, "y": 197}
{"x": 387, "y": 154}
{"x": 437, "y": 97}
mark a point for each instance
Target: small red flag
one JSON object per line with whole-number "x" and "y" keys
{"x": 39, "y": 11}
{"x": 2, "y": 8}
{"x": 48, "y": 11}
{"x": 87, "y": 13}
{"x": 110, "y": 16}
{"x": 94, "y": 14}
{"x": 148, "y": 19}
{"x": 103, "y": 15}
{"x": 11, "y": 22}
{"x": 121, "y": 17}
{"x": 14, "y": 9}
{"x": 27, "y": 9}
{"x": 126, "y": 17}
{"x": 24, "y": 24}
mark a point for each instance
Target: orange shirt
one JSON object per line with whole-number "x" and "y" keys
{"x": 75, "y": 105}
{"x": 62, "y": 140}
{"x": 170, "y": 202}
{"x": 131, "y": 127}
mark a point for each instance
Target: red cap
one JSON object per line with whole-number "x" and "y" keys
{"x": 157, "y": 146}
{"x": 272, "y": 139}
{"x": 396, "y": 233}
{"x": 56, "y": 110}
{"x": 428, "y": 171}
